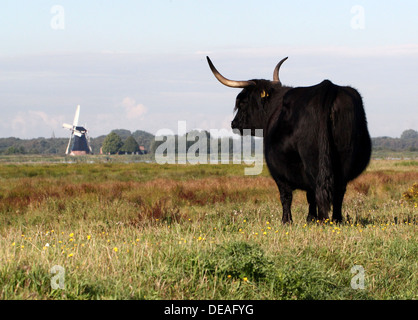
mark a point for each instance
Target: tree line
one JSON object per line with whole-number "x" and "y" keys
{"x": 407, "y": 142}
{"x": 122, "y": 141}
{"x": 58, "y": 146}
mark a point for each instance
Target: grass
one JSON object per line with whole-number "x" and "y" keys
{"x": 145, "y": 231}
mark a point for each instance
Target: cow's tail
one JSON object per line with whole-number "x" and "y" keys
{"x": 325, "y": 178}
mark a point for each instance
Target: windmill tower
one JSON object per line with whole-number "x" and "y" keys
{"x": 79, "y": 137}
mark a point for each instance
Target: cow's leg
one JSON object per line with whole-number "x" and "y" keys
{"x": 312, "y": 215}
{"x": 323, "y": 207}
{"x": 337, "y": 203}
{"x": 286, "y": 199}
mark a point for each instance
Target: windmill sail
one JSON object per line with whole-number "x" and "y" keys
{"x": 68, "y": 146}
{"x": 77, "y": 115}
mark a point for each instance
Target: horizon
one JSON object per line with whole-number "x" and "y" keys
{"x": 132, "y": 132}
{"x": 142, "y": 65}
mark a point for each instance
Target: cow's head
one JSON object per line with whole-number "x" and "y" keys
{"x": 254, "y": 101}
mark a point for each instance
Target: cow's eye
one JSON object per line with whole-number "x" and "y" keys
{"x": 264, "y": 94}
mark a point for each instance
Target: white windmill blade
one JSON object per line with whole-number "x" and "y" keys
{"x": 77, "y": 114}
{"x": 68, "y": 146}
{"x": 67, "y": 126}
{"x": 78, "y": 133}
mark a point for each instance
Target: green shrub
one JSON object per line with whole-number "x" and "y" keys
{"x": 239, "y": 260}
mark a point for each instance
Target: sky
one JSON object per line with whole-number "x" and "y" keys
{"x": 141, "y": 65}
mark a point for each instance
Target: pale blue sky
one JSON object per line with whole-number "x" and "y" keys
{"x": 183, "y": 25}
{"x": 141, "y": 64}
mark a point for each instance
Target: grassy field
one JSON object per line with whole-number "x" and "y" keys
{"x": 146, "y": 231}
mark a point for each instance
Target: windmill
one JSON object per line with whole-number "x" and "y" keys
{"x": 79, "y": 136}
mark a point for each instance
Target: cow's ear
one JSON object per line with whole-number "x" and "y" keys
{"x": 264, "y": 94}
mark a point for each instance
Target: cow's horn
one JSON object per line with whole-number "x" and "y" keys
{"x": 276, "y": 71}
{"x": 227, "y": 82}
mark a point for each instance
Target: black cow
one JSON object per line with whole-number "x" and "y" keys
{"x": 315, "y": 138}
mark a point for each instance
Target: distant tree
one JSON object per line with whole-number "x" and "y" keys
{"x": 409, "y": 134}
{"x": 15, "y": 150}
{"x": 112, "y": 143}
{"x": 122, "y": 133}
{"x": 130, "y": 145}
{"x": 144, "y": 138}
